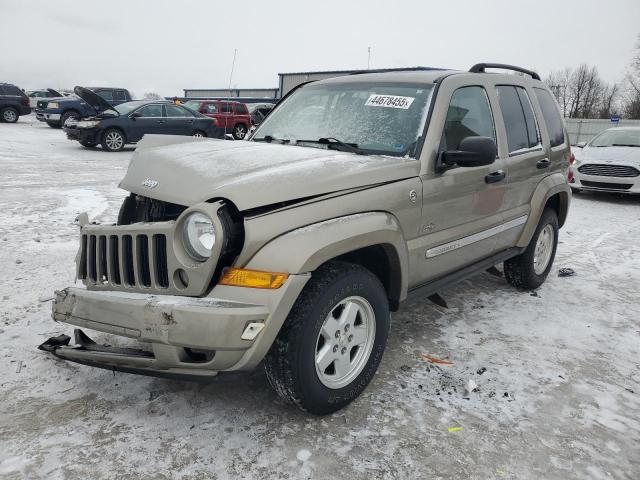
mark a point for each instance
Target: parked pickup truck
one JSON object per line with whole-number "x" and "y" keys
{"x": 290, "y": 250}
{"x": 57, "y": 111}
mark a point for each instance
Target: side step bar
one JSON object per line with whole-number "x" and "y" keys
{"x": 430, "y": 288}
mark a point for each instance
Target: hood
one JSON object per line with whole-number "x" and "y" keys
{"x": 251, "y": 174}
{"x": 98, "y": 103}
{"x": 629, "y": 155}
{"x": 55, "y": 93}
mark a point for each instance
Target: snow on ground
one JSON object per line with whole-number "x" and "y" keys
{"x": 560, "y": 397}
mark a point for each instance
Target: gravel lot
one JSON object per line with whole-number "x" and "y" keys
{"x": 560, "y": 397}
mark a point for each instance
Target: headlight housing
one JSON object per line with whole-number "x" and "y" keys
{"x": 53, "y": 105}
{"x": 88, "y": 123}
{"x": 199, "y": 236}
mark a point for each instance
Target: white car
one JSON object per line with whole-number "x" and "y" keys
{"x": 36, "y": 95}
{"x": 610, "y": 162}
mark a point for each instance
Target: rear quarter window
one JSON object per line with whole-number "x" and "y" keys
{"x": 241, "y": 109}
{"x": 551, "y": 117}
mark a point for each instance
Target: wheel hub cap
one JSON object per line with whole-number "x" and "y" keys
{"x": 345, "y": 342}
{"x": 543, "y": 249}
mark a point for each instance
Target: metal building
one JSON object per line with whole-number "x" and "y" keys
{"x": 234, "y": 92}
{"x": 289, "y": 81}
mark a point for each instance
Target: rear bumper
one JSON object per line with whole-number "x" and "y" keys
{"x": 216, "y": 328}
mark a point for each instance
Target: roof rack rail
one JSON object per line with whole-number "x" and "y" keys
{"x": 480, "y": 68}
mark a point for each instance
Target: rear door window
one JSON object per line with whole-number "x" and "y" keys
{"x": 241, "y": 109}
{"x": 175, "y": 111}
{"x": 469, "y": 115}
{"x": 519, "y": 120}
{"x": 226, "y": 108}
{"x": 551, "y": 117}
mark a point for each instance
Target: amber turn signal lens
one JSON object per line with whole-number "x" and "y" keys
{"x": 239, "y": 277}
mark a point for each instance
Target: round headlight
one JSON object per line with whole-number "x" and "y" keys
{"x": 199, "y": 236}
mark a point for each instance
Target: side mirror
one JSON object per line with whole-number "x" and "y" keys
{"x": 581, "y": 144}
{"x": 472, "y": 152}
{"x": 228, "y": 136}
{"x": 135, "y": 115}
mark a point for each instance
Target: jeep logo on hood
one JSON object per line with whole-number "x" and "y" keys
{"x": 149, "y": 183}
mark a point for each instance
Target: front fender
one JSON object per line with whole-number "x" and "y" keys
{"x": 303, "y": 250}
{"x": 555, "y": 184}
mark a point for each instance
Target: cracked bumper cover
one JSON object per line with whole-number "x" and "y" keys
{"x": 174, "y": 326}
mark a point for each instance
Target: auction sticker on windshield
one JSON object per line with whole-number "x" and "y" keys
{"x": 389, "y": 101}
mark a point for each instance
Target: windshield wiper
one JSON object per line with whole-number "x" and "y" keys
{"x": 269, "y": 139}
{"x": 331, "y": 141}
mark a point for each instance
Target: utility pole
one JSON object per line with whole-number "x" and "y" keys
{"x": 233, "y": 64}
{"x": 369, "y": 58}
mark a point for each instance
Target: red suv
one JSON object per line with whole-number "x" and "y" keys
{"x": 233, "y": 117}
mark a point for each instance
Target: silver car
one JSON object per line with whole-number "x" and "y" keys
{"x": 610, "y": 162}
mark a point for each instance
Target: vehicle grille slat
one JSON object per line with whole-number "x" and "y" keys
{"x": 127, "y": 261}
{"x": 102, "y": 259}
{"x": 159, "y": 260}
{"x": 114, "y": 262}
{"x": 92, "y": 267}
{"x": 612, "y": 186}
{"x": 603, "y": 170}
{"x": 82, "y": 263}
{"x": 142, "y": 260}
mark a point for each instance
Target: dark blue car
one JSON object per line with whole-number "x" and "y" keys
{"x": 115, "y": 126}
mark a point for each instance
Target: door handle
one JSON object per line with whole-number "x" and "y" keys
{"x": 494, "y": 177}
{"x": 544, "y": 163}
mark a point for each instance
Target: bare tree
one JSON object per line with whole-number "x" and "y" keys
{"x": 152, "y": 96}
{"x": 582, "y": 93}
{"x": 632, "y": 83}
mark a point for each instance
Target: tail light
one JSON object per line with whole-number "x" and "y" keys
{"x": 24, "y": 100}
{"x": 572, "y": 159}
{"x": 215, "y": 122}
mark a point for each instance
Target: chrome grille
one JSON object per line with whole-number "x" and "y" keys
{"x": 608, "y": 170}
{"x": 124, "y": 260}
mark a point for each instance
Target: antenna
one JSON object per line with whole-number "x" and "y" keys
{"x": 233, "y": 64}
{"x": 369, "y": 58}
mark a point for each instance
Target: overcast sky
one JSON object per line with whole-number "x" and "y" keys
{"x": 165, "y": 46}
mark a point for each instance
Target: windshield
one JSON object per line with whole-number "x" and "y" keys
{"x": 617, "y": 138}
{"x": 126, "y": 108}
{"x": 384, "y": 118}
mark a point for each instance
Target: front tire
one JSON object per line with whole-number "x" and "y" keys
{"x": 9, "y": 115}
{"x": 113, "y": 140}
{"x": 529, "y": 270}
{"x": 239, "y": 131}
{"x": 332, "y": 342}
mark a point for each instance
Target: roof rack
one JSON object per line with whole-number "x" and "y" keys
{"x": 480, "y": 68}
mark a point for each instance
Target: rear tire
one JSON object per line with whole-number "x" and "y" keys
{"x": 529, "y": 270}
{"x": 113, "y": 140}
{"x": 9, "y": 115}
{"x": 332, "y": 342}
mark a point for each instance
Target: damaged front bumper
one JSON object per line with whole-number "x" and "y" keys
{"x": 190, "y": 337}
